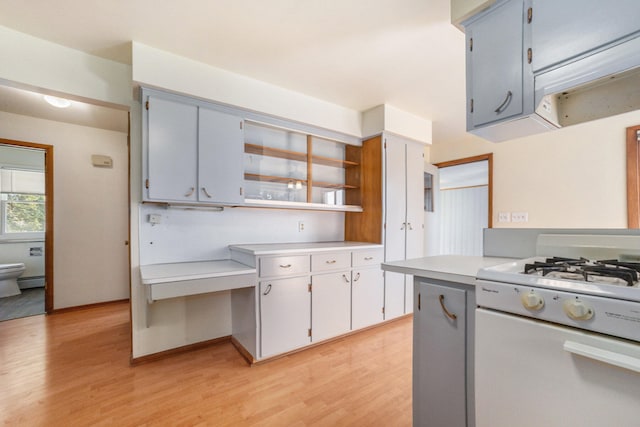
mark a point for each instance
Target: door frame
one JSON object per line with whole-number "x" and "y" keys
{"x": 633, "y": 177}
{"x": 48, "y": 208}
{"x": 489, "y": 158}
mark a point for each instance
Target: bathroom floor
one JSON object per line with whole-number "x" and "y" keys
{"x": 29, "y": 303}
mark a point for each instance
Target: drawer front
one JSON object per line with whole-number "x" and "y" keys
{"x": 284, "y": 265}
{"x": 368, "y": 257}
{"x": 330, "y": 261}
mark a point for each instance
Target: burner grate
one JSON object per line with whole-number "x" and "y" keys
{"x": 609, "y": 271}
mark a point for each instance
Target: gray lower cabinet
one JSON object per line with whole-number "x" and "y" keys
{"x": 285, "y": 308}
{"x": 443, "y": 354}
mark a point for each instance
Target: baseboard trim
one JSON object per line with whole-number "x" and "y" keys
{"x": 243, "y": 351}
{"x": 135, "y": 361}
{"x": 87, "y": 306}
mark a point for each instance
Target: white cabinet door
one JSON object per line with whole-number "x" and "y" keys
{"x": 367, "y": 297}
{"x": 330, "y": 305}
{"x": 172, "y": 150}
{"x": 439, "y": 357}
{"x": 395, "y": 200}
{"x": 285, "y": 315}
{"x": 220, "y": 159}
{"x": 415, "y": 200}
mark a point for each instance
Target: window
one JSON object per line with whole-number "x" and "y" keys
{"x": 22, "y": 203}
{"x": 428, "y": 192}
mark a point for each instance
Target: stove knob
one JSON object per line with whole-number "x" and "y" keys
{"x": 532, "y": 301}
{"x": 577, "y": 310}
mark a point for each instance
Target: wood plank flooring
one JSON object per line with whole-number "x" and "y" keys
{"x": 72, "y": 369}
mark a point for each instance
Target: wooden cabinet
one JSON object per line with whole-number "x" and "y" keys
{"x": 443, "y": 354}
{"x": 285, "y": 315}
{"x": 495, "y": 65}
{"x": 403, "y": 218}
{"x": 192, "y": 154}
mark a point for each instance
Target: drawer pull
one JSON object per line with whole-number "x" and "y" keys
{"x": 285, "y": 266}
{"x": 355, "y": 279}
{"x": 447, "y": 312}
{"x": 368, "y": 258}
{"x": 506, "y": 102}
{"x": 344, "y": 276}
{"x": 190, "y": 192}
{"x": 333, "y": 261}
{"x": 266, "y": 291}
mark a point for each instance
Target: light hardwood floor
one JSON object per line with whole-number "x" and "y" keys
{"x": 72, "y": 369}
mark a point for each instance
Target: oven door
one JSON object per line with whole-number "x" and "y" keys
{"x": 532, "y": 373}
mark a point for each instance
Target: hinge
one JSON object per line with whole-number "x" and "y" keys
{"x": 309, "y": 331}
{"x": 382, "y": 310}
{"x": 529, "y": 15}
{"x": 471, "y": 106}
{"x": 471, "y": 44}
{"x": 529, "y": 55}
{"x": 240, "y": 125}
{"x": 146, "y": 183}
{"x": 146, "y": 105}
{"x": 241, "y": 191}
{"x": 638, "y": 136}
{"x": 309, "y": 287}
{"x": 385, "y": 143}
{"x": 384, "y": 226}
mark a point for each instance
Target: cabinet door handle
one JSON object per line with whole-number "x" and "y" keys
{"x": 404, "y": 224}
{"x": 410, "y": 226}
{"x": 368, "y": 258}
{"x": 285, "y": 266}
{"x": 504, "y": 104}
{"x": 344, "y": 276}
{"x": 355, "y": 279}
{"x": 333, "y": 261}
{"x": 447, "y": 312}
{"x": 190, "y": 192}
{"x": 206, "y": 193}
{"x": 266, "y": 291}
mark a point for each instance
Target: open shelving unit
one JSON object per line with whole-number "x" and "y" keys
{"x": 347, "y": 159}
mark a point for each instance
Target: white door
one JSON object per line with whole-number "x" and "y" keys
{"x": 415, "y": 212}
{"x": 529, "y": 375}
{"x": 330, "y": 305}
{"x": 172, "y": 150}
{"x": 220, "y": 158}
{"x": 395, "y": 200}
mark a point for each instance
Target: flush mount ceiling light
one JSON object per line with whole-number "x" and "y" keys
{"x": 57, "y": 102}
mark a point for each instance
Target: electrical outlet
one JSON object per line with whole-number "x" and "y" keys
{"x": 155, "y": 219}
{"x": 300, "y": 226}
{"x": 520, "y": 217}
{"x": 504, "y": 216}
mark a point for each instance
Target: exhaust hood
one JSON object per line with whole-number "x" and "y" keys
{"x": 600, "y": 85}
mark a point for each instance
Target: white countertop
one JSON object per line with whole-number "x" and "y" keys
{"x": 452, "y": 268}
{"x": 285, "y": 248}
{"x": 180, "y": 271}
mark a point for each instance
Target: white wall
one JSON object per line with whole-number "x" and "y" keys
{"x": 90, "y": 208}
{"x": 569, "y": 178}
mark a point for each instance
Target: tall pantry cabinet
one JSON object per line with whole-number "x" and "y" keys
{"x": 393, "y": 210}
{"x": 403, "y": 217}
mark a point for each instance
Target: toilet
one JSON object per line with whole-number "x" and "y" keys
{"x": 9, "y": 274}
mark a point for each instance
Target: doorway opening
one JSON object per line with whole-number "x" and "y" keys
{"x": 26, "y": 226}
{"x": 465, "y": 198}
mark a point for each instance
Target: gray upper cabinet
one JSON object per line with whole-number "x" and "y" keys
{"x": 495, "y": 61}
{"x": 172, "y": 150}
{"x": 191, "y": 154}
{"x": 220, "y": 158}
{"x": 565, "y": 30}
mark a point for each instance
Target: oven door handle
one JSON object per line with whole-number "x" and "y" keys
{"x": 602, "y": 355}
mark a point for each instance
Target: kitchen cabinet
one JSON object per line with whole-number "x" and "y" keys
{"x": 463, "y": 9}
{"x": 172, "y": 150}
{"x": 285, "y": 315}
{"x": 563, "y": 31}
{"x": 403, "y": 218}
{"x": 494, "y": 47}
{"x": 284, "y": 166}
{"x": 193, "y": 154}
{"x": 330, "y": 305}
{"x": 443, "y": 354}
{"x": 367, "y": 297}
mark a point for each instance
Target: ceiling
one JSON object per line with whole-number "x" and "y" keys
{"x": 355, "y": 53}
